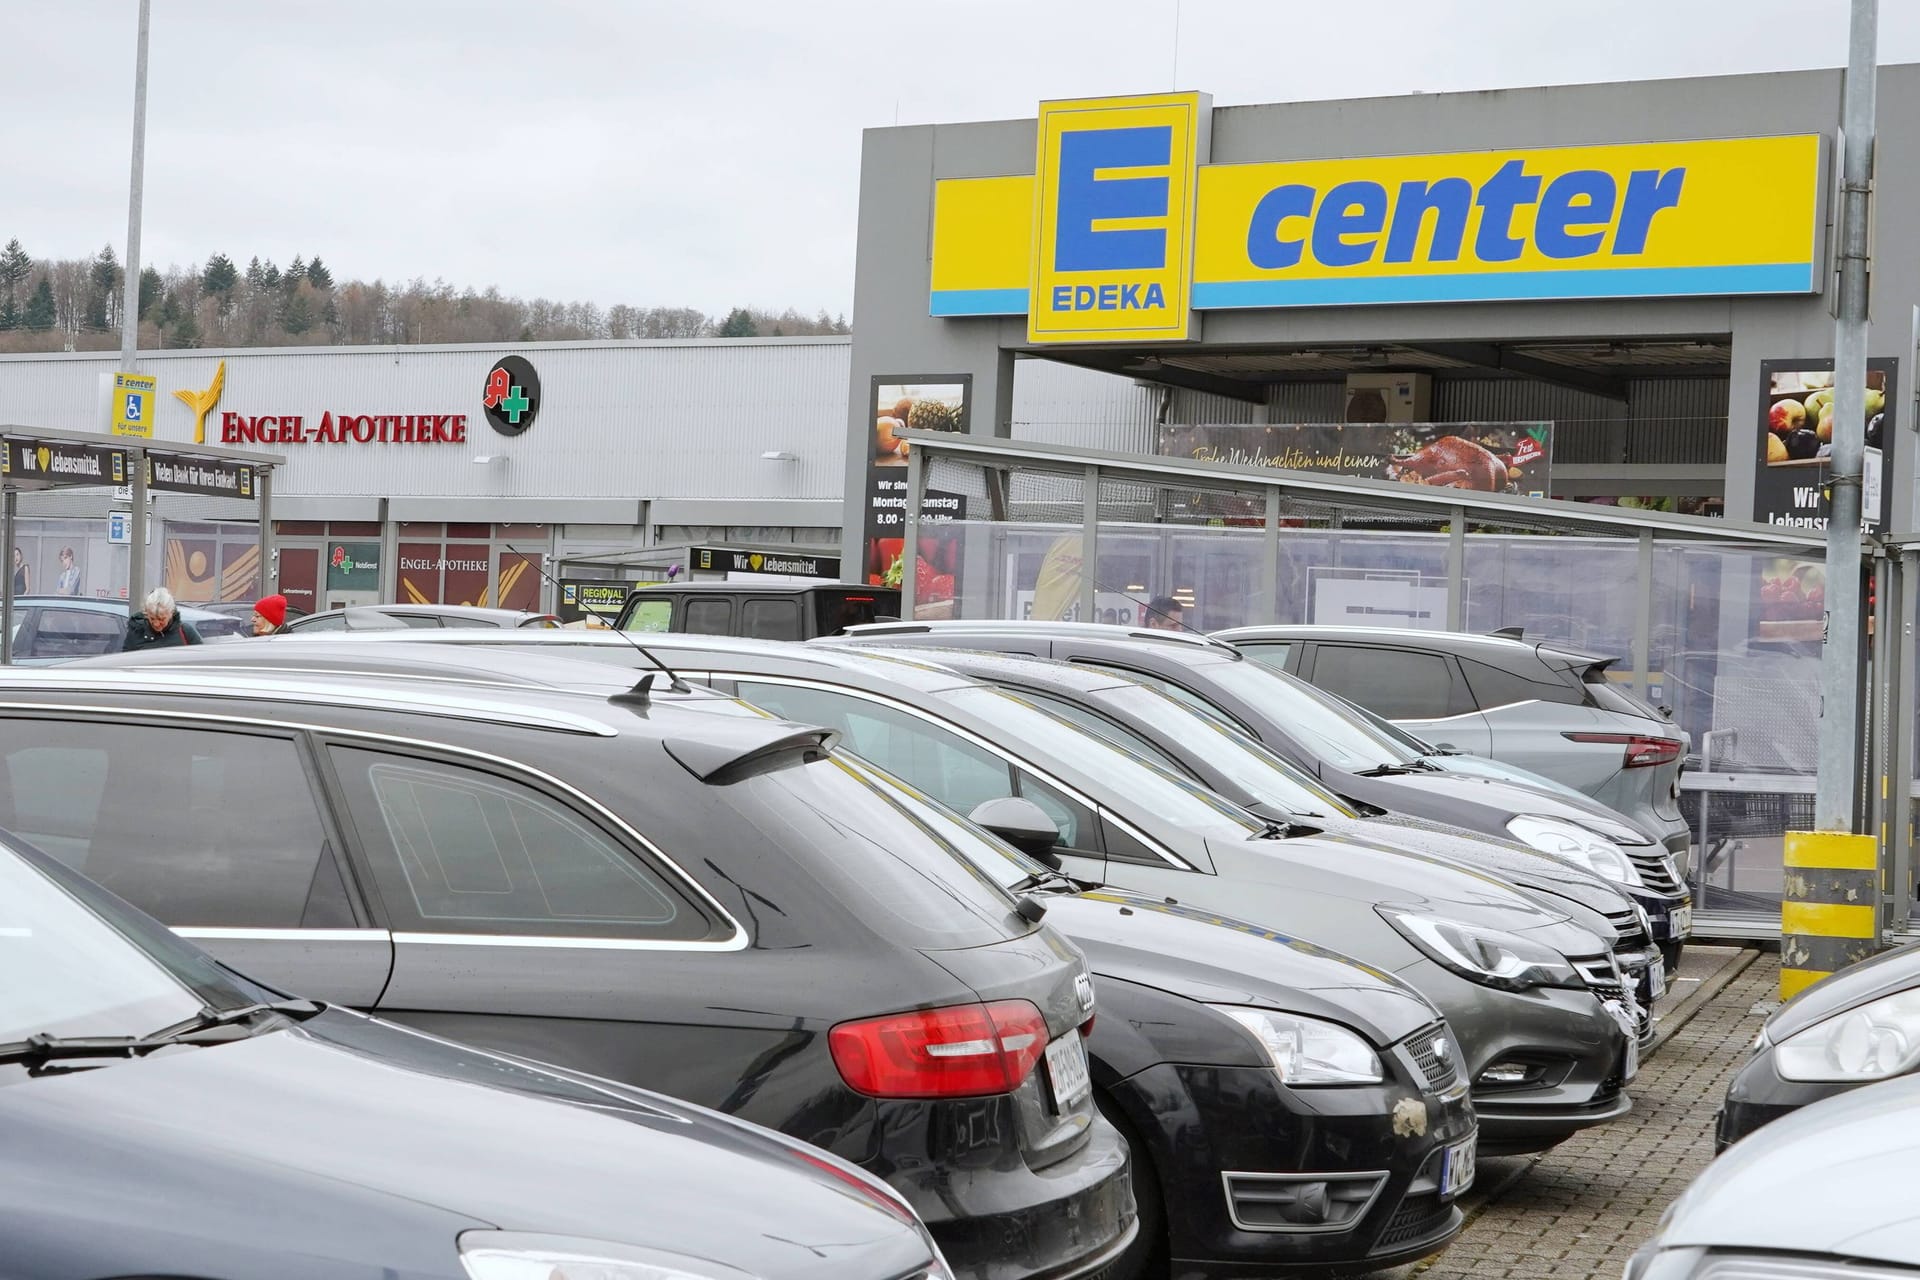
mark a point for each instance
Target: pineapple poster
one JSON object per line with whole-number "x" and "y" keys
{"x": 1795, "y": 437}
{"x": 937, "y": 403}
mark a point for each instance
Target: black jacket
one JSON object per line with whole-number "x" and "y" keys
{"x": 141, "y": 635}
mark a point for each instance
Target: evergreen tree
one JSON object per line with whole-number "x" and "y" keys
{"x": 103, "y": 286}
{"x": 15, "y": 267}
{"x": 318, "y": 276}
{"x": 296, "y": 272}
{"x": 297, "y": 316}
{"x": 9, "y": 314}
{"x": 269, "y": 275}
{"x": 186, "y": 330}
{"x": 151, "y": 288}
{"x": 256, "y": 274}
{"x": 40, "y": 312}
{"x": 738, "y": 324}
{"x": 221, "y": 275}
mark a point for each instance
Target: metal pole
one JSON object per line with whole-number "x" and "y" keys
{"x": 910, "y": 532}
{"x": 1643, "y": 619}
{"x": 1270, "y": 559}
{"x": 1900, "y": 640}
{"x": 137, "y": 530}
{"x": 6, "y": 591}
{"x": 1457, "y": 570}
{"x": 269, "y": 568}
{"x": 1089, "y": 542}
{"x": 1840, "y": 713}
{"x": 130, "y": 300}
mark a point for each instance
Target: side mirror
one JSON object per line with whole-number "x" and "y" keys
{"x": 1447, "y": 749}
{"x": 1022, "y": 824}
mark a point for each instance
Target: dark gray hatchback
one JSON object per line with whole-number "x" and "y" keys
{"x": 703, "y": 904}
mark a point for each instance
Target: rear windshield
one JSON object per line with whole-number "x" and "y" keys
{"x": 1610, "y": 695}
{"x": 835, "y": 611}
{"x": 892, "y": 870}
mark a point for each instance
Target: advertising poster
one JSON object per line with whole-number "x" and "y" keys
{"x": 1485, "y": 457}
{"x": 352, "y": 566}
{"x": 190, "y": 569}
{"x": 934, "y": 403}
{"x": 1795, "y": 435}
{"x": 519, "y": 581}
{"x": 583, "y": 598}
{"x": 240, "y": 571}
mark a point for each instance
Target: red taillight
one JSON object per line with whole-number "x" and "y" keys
{"x": 962, "y": 1051}
{"x": 1642, "y": 753}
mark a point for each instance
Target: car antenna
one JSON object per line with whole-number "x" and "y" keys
{"x": 638, "y": 694}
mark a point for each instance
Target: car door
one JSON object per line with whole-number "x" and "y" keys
{"x": 62, "y": 635}
{"x": 706, "y": 615}
{"x": 938, "y": 758}
{"x": 1420, "y": 690}
{"x": 217, "y": 832}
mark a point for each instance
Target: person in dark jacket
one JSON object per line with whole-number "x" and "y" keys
{"x": 158, "y": 622}
{"x": 269, "y": 615}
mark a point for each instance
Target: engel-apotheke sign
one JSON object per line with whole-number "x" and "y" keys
{"x": 508, "y": 399}
{"x": 1125, "y": 228}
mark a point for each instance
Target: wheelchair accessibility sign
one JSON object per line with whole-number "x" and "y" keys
{"x": 133, "y": 404}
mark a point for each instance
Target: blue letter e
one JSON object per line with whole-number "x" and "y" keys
{"x": 1084, "y": 199}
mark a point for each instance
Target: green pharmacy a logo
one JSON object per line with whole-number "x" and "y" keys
{"x": 511, "y": 396}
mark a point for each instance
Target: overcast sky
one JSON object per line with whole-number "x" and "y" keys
{"x": 706, "y": 152}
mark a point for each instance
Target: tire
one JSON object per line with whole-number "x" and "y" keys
{"x": 1147, "y": 1257}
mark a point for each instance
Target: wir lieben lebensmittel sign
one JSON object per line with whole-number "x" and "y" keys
{"x": 1124, "y": 225}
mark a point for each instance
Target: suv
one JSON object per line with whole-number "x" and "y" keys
{"x": 384, "y": 617}
{"x": 694, "y": 899}
{"x": 757, "y": 610}
{"x": 1538, "y": 706}
{"x": 50, "y": 629}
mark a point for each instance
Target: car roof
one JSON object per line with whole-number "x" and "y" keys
{"x": 437, "y": 610}
{"x": 1082, "y": 630}
{"x": 775, "y": 585}
{"x": 991, "y": 666}
{"x": 1437, "y": 641}
{"x": 94, "y": 604}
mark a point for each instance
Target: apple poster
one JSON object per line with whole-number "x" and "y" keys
{"x": 1796, "y": 439}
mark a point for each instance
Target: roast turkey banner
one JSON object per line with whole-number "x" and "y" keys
{"x": 1487, "y": 457}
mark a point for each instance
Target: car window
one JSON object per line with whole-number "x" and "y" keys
{"x": 455, "y": 620}
{"x": 1095, "y": 723}
{"x": 1399, "y": 684}
{"x": 75, "y": 633}
{"x": 320, "y": 622}
{"x": 1079, "y": 825}
{"x": 460, "y": 850}
{"x": 1271, "y": 652}
{"x": 709, "y": 617}
{"x": 1499, "y": 687}
{"x": 770, "y": 619}
{"x": 422, "y": 620}
{"x": 913, "y": 748}
{"x": 193, "y": 826}
{"x": 651, "y": 615}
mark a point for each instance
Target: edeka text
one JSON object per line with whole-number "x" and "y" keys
{"x": 1108, "y": 297}
{"x": 345, "y": 428}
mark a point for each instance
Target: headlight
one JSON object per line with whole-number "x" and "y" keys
{"x": 1571, "y": 843}
{"x": 516, "y": 1255}
{"x": 1307, "y": 1050}
{"x": 1487, "y": 956}
{"x": 1874, "y": 1042}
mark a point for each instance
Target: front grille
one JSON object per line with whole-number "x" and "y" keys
{"x": 1436, "y": 1055}
{"x": 1626, "y": 927}
{"x": 1655, "y": 866}
{"x": 1417, "y": 1218}
{"x": 1610, "y": 984}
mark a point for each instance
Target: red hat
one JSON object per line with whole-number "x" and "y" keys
{"x": 272, "y": 608}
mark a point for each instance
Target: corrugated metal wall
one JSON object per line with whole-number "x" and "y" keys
{"x": 1056, "y": 403}
{"x": 1667, "y": 419}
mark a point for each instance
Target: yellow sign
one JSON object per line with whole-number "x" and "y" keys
{"x": 132, "y": 409}
{"x": 202, "y": 402}
{"x": 1717, "y": 217}
{"x": 1113, "y": 218}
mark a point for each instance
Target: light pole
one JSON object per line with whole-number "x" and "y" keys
{"x": 130, "y": 305}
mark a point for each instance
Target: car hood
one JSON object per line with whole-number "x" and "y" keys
{"x": 1857, "y": 984}
{"x": 349, "y": 1102}
{"x": 1859, "y": 1149}
{"x": 1488, "y": 804}
{"x": 1356, "y": 873}
{"x": 1217, "y": 959}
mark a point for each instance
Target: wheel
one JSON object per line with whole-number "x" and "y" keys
{"x": 1146, "y": 1257}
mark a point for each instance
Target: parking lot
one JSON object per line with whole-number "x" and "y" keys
{"x": 1580, "y": 1210}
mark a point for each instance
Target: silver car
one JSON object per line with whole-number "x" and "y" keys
{"x": 1826, "y": 1192}
{"x": 1536, "y": 705}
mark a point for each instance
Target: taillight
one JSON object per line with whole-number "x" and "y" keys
{"x": 961, "y": 1051}
{"x": 1642, "y": 752}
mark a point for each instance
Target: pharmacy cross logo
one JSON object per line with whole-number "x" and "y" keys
{"x": 512, "y": 395}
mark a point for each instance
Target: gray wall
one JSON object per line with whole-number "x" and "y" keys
{"x": 893, "y": 332}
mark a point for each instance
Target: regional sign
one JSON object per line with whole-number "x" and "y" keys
{"x": 1074, "y": 247}
{"x": 51, "y": 462}
{"x": 214, "y": 477}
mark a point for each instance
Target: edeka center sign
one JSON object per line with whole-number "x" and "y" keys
{"x": 1075, "y": 246}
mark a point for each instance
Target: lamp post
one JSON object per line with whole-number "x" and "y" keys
{"x": 130, "y": 304}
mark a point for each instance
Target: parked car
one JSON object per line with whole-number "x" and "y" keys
{"x": 166, "y": 1116}
{"x": 1194, "y": 1007}
{"x": 1550, "y": 1046}
{"x": 376, "y": 617}
{"x": 1319, "y": 733}
{"x": 50, "y": 629}
{"x": 688, "y": 900}
{"x": 770, "y": 610}
{"x": 243, "y": 609}
{"x": 1856, "y": 1027}
{"x": 1535, "y": 704}
{"x": 1139, "y": 718}
{"x": 1825, "y": 1193}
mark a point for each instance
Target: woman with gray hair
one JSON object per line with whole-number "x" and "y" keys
{"x": 158, "y": 622}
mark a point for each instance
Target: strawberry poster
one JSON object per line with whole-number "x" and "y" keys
{"x": 934, "y": 403}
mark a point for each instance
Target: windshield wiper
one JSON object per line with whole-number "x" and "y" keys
{"x": 1273, "y": 829}
{"x": 1387, "y": 771}
{"x": 199, "y": 1029}
{"x": 1045, "y": 878}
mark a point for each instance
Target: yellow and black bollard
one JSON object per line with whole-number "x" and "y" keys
{"x": 1830, "y": 907}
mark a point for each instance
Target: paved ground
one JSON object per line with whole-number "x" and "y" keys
{"x": 1579, "y": 1211}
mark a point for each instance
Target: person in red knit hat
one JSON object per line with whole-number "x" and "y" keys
{"x": 269, "y": 615}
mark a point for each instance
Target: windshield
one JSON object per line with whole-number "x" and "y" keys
{"x": 1127, "y": 784}
{"x": 1321, "y": 722}
{"x": 69, "y": 971}
{"x": 1256, "y": 771}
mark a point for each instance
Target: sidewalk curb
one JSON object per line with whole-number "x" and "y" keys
{"x": 1713, "y": 985}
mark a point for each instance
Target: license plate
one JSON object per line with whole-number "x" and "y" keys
{"x": 1657, "y": 978}
{"x": 1679, "y": 924}
{"x": 1629, "y": 1025}
{"x": 1456, "y": 1169}
{"x": 1633, "y": 1059}
{"x": 1067, "y": 1070}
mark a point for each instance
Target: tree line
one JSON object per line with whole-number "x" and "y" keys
{"x": 75, "y": 304}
